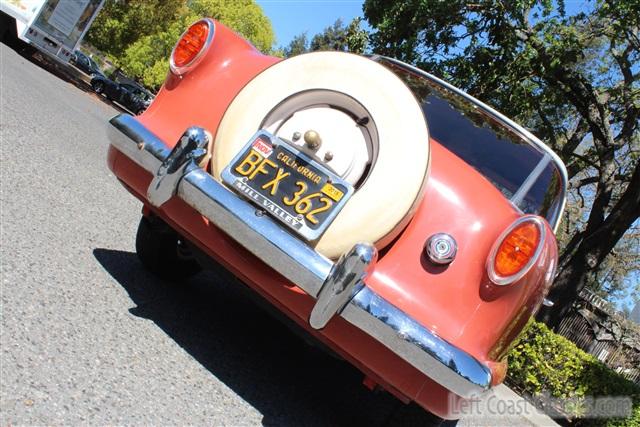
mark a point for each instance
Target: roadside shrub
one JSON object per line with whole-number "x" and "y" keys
{"x": 544, "y": 364}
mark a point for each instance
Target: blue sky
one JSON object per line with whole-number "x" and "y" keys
{"x": 292, "y": 17}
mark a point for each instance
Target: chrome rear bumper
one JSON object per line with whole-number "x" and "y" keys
{"x": 339, "y": 288}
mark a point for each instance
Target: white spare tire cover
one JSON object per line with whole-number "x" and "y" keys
{"x": 383, "y": 204}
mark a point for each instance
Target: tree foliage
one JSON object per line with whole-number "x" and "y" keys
{"x": 573, "y": 79}
{"x": 139, "y": 35}
{"x": 552, "y": 370}
{"x": 243, "y": 16}
{"x": 338, "y": 37}
{"x": 298, "y": 45}
{"x": 120, "y": 23}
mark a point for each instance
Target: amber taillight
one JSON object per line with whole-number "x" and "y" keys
{"x": 516, "y": 250}
{"x": 191, "y": 46}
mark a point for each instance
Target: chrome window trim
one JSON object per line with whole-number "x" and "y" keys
{"x": 507, "y": 280}
{"x": 530, "y": 180}
{"x": 180, "y": 71}
{"x": 554, "y": 221}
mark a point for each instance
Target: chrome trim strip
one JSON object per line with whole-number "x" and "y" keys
{"x": 444, "y": 363}
{"x": 524, "y": 133}
{"x": 526, "y": 185}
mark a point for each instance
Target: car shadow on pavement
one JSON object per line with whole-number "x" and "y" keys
{"x": 288, "y": 381}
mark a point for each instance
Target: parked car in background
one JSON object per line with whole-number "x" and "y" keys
{"x": 401, "y": 222}
{"x": 84, "y": 63}
{"x": 133, "y": 97}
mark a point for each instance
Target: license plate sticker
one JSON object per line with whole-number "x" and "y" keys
{"x": 287, "y": 184}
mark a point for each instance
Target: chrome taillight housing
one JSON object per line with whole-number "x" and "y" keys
{"x": 192, "y": 46}
{"x": 516, "y": 250}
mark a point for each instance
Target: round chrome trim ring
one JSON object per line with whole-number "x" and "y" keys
{"x": 441, "y": 248}
{"x": 179, "y": 71}
{"x": 507, "y": 280}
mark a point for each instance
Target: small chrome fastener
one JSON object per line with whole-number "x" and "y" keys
{"x": 441, "y": 248}
{"x": 312, "y": 139}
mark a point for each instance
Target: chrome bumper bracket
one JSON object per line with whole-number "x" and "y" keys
{"x": 185, "y": 156}
{"x": 344, "y": 281}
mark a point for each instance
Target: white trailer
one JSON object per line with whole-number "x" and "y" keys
{"x": 54, "y": 27}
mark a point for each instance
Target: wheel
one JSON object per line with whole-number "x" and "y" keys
{"x": 373, "y": 133}
{"x": 163, "y": 252}
{"x": 98, "y": 87}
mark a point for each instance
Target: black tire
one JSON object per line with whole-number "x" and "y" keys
{"x": 163, "y": 252}
{"x": 98, "y": 87}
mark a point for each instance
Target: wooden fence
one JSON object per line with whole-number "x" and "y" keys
{"x": 612, "y": 350}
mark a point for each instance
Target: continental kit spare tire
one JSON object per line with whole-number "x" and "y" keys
{"x": 373, "y": 134}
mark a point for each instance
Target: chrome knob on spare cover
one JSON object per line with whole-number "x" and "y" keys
{"x": 312, "y": 139}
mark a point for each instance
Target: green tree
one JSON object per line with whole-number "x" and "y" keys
{"x": 299, "y": 44}
{"x": 120, "y": 23}
{"x": 357, "y": 38}
{"x": 140, "y": 35}
{"x": 350, "y": 38}
{"x": 243, "y": 16}
{"x": 572, "y": 79}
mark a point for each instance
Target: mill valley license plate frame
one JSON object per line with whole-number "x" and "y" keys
{"x": 287, "y": 184}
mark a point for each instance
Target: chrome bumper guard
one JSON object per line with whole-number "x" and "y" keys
{"x": 338, "y": 288}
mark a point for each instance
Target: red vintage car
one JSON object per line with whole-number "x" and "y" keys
{"x": 400, "y": 221}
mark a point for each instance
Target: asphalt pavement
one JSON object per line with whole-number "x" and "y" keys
{"x": 88, "y": 337}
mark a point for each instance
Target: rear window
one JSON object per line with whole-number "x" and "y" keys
{"x": 521, "y": 171}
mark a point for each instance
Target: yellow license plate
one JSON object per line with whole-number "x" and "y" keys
{"x": 288, "y": 184}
